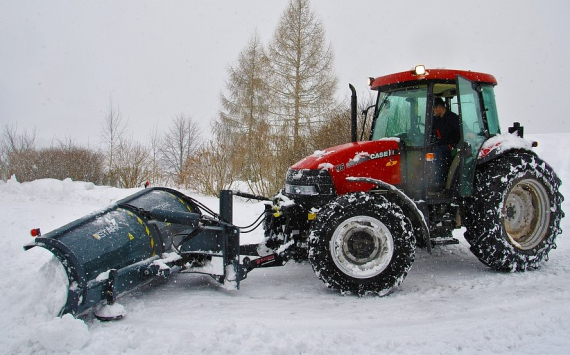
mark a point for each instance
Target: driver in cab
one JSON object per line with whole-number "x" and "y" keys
{"x": 444, "y": 137}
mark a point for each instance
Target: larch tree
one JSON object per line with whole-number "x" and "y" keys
{"x": 243, "y": 123}
{"x": 304, "y": 83}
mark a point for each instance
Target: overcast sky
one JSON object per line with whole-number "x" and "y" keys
{"x": 63, "y": 62}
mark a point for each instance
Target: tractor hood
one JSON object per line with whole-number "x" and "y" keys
{"x": 379, "y": 160}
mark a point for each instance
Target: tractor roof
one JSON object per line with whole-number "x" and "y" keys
{"x": 428, "y": 75}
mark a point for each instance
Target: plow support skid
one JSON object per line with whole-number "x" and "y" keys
{"x": 121, "y": 247}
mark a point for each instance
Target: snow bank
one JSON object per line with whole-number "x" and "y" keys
{"x": 34, "y": 284}
{"x": 63, "y": 334}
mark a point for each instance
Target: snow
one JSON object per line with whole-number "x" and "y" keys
{"x": 325, "y": 166}
{"x": 319, "y": 154}
{"x": 504, "y": 142}
{"x": 359, "y": 157}
{"x": 449, "y": 303}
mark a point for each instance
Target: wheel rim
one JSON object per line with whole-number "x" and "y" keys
{"x": 526, "y": 214}
{"x": 362, "y": 247}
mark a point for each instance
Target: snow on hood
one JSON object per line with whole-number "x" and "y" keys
{"x": 326, "y": 166}
{"x": 319, "y": 154}
{"x": 358, "y": 157}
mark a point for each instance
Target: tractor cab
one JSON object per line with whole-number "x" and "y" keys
{"x": 405, "y": 110}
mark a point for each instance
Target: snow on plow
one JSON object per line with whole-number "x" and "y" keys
{"x": 127, "y": 244}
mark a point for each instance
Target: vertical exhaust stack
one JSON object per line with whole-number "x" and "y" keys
{"x": 353, "y": 104}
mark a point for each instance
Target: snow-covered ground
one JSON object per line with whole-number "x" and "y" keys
{"x": 449, "y": 303}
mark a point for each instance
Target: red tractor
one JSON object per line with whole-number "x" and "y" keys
{"x": 359, "y": 210}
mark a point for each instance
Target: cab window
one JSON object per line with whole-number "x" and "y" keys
{"x": 491, "y": 109}
{"x": 402, "y": 113}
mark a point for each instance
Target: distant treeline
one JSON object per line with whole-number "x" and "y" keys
{"x": 278, "y": 106}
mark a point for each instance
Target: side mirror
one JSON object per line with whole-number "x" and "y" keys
{"x": 517, "y": 129}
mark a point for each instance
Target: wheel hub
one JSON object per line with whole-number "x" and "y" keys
{"x": 511, "y": 210}
{"x": 362, "y": 247}
{"x": 526, "y": 213}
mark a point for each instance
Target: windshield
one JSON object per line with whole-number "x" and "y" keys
{"x": 402, "y": 113}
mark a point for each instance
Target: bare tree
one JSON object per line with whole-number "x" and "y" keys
{"x": 65, "y": 160}
{"x": 17, "y": 142}
{"x": 68, "y": 160}
{"x": 336, "y": 128}
{"x": 334, "y": 132}
{"x": 155, "y": 175}
{"x": 112, "y": 131}
{"x": 3, "y": 163}
{"x": 132, "y": 160}
{"x": 17, "y": 153}
{"x": 179, "y": 144}
{"x": 302, "y": 70}
{"x": 213, "y": 168}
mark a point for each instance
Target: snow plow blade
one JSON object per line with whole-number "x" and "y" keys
{"x": 128, "y": 244}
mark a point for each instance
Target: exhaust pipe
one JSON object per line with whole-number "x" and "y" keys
{"x": 353, "y": 104}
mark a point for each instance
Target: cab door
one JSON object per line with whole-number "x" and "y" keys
{"x": 473, "y": 132}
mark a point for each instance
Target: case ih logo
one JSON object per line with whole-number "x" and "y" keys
{"x": 384, "y": 154}
{"x": 362, "y": 157}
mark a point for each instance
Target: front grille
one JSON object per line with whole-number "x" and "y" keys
{"x": 319, "y": 178}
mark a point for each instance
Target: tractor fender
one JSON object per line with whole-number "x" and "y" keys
{"x": 408, "y": 205}
{"x": 502, "y": 143}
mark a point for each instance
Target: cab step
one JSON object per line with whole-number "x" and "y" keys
{"x": 443, "y": 241}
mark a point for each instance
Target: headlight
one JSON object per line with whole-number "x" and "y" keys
{"x": 301, "y": 189}
{"x": 420, "y": 70}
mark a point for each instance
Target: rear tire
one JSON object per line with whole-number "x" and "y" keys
{"x": 515, "y": 213}
{"x": 362, "y": 243}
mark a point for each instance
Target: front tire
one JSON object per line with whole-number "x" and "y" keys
{"x": 362, "y": 243}
{"x": 516, "y": 211}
